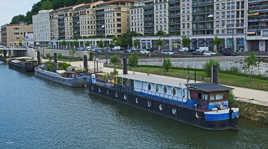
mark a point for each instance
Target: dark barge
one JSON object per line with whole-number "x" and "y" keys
{"x": 204, "y": 105}
{"x": 23, "y": 65}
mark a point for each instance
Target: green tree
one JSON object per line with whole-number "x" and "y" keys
{"x": 185, "y": 41}
{"x": 160, "y": 33}
{"x": 64, "y": 43}
{"x": 167, "y": 64}
{"x": 208, "y": 66}
{"x": 159, "y": 43}
{"x": 250, "y": 63}
{"x": 136, "y": 43}
{"x": 48, "y": 55}
{"x": 115, "y": 60}
{"x": 46, "y": 5}
{"x": 18, "y": 19}
{"x": 133, "y": 59}
{"x": 217, "y": 41}
{"x": 100, "y": 44}
{"x": 87, "y": 43}
{"x": 75, "y": 44}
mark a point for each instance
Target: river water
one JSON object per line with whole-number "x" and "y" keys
{"x": 38, "y": 114}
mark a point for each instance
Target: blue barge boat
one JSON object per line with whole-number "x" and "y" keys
{"x": 203, "y": 105}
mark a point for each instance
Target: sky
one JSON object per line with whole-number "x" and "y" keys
{"x": 10, "y": 8}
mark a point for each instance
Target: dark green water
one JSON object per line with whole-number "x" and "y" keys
{"x": 37, "y": 114}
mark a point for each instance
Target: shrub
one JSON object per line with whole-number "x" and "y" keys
{"x": 59, "y": 56}
{"x": 167, "y": 64}
{"x": 48, "y": 55}
{"x": 207, "y": 67}
{"x": 63, "y": 66}
{"x": 115, "y": 59}
{"x": 133, "y": 59}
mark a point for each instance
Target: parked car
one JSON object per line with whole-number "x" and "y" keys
{"x": 185, "y": 49}
{"x": 197, "y": 53}
{"x": 209, "y": 53}
{"x": 128, "y": 51}
{"x": 167, "y": 52}
{"x": 227, "y": 52}
{"x": 97, "y": 50}
{"x": 144, "y": 52}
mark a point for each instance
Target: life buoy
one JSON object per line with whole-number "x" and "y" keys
{"x": 205, "y": 105}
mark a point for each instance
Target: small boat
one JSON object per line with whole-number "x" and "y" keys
{"x": 23, "y": 65}
{"x": 71, "y": 79}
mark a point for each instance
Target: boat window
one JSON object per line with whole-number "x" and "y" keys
{"x": 156, "y": 88}
{"x": 149, "y": 86}
{"x": 174, "y": 91}
{"x": 212, "y": 97}
{"x": 219, "y": 97}
{"x": 205, "y": 97}
{"x": 165, "y": 89}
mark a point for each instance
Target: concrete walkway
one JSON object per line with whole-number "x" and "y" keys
{"x": 258, "y": 97}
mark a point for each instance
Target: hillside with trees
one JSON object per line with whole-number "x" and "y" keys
{"x": 46, "y": 5}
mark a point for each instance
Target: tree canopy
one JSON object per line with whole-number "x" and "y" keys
{"x": 46, "y": 5}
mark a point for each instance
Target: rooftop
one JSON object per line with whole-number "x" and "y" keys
{"x": 208, "y": 87}
{"x": 164, "y": 80}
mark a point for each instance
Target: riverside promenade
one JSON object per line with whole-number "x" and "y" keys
{"x": 253, "y": 96}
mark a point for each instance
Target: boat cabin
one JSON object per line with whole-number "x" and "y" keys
{"x": 209, "y": 96}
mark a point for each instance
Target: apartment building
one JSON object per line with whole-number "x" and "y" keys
{"x": 45, "y": 27}
{"x": 87, "y": 20}
{"x": 202, "y": 17}
{"x": 149, "y": 17}
{"x": 174, "y": 16}
{"x": 161, "y": 16}
{"x": 137, "y": 17}
{"x": 13, "y": 35}
{"x": 112, "y": 17}
{"x": 257, "y": 35}
{"x": 186, "y": 17}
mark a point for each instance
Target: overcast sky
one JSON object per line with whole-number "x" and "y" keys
{"x": 10, "y": 8}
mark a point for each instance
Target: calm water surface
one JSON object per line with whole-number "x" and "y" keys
{"x": 38, "y": 114}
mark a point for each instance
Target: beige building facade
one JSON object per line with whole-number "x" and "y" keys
{"x": 13, "y": 35}
{"x": 87, "y": 20}
{"x": 161, "y": 16}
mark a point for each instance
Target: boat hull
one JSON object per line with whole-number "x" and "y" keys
{"x": 24, "y": 67}
{"x": 71, "y": 82}
{"x": 183, "y": 114}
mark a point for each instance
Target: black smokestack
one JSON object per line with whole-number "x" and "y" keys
{"x": 38, "y": 58}
{"x": 125, "y": 65}
{"x": 214, "y": 74}
{"x": 85, "y": 64}
{"x": 55, "y": 58}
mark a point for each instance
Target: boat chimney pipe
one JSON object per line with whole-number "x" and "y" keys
{"x": 214, "y": 74}
{"x": 125, "y": 71}
{"x": 85, "y": 64}
{"x": 38, "y": 58}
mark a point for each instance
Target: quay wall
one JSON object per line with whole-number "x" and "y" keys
{"x": 226, "y": 63}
